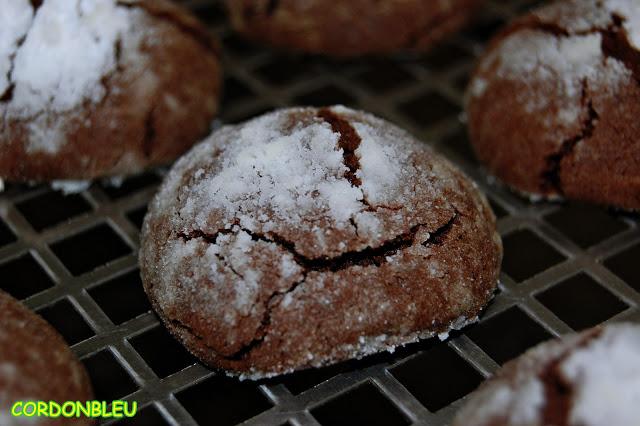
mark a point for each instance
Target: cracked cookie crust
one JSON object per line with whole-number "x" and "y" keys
{"x": 310, "y": 236}
{"x": 94, "y": 88}
{"x": 350, "y": 27}
{"x": 587, "y": 379}
{"x": 553, "y": 104}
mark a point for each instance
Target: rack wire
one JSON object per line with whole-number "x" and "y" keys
{"x": 74, "y": 259}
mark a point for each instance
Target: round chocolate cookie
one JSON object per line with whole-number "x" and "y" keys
{"x": 350, "y": 27}
{"x": 553, "y": 106}
{"x": 36, "y": 365}
{"x": 95, "y": 88}
{"x": 586, "y": 379}
{"x": 310, "y": 236}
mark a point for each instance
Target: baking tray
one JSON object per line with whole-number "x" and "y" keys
{"x": 74, "y": 260}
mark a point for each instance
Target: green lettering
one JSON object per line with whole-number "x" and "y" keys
{"x": 68, "y": 409}
{"x": 134, "y": 409}
{"x": 83, "y": 409}
{"x": 105, "y": 414}
{"x": 16, "y": 409}
{"x": 116, "y": 409}
{"x": 54, "y": 409}
{"x": 26, "y": 411}
{"x": 42, "y": 409}
{"x": 95, "y": 409}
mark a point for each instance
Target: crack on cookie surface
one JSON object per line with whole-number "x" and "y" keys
{"x": 557, "y": 389}
{"x": 551, "y": 179}
{"x": 355, "y": 226}
{"x": 557, "y": 393}
{"x": 438, "y": 236}
{"x": 7, "y": 96}
{"x": 263, "y": 330}
{"x": 367, "y": 257}
{"x": 615, "y": 40}
{"x": 615, "y": 57}
{"x": 118, "y": 53}
{"x": 535, "y": 23}
{"x": 36, "y": 4}
{"x": 349, "y": 142}
{"x": 616, "y": 44}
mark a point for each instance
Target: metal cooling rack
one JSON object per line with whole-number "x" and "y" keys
{"x": 73, "y": 259}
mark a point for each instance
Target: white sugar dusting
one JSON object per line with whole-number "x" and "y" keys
{"x": 378, "y": 165}
{"x": 562, "y": 64}
{"x": 15, "y": 20}
{"x": 368, "y": 225}
{"x": 46, "y": 134}
{"x": 605, "y": 376}
{"x": 580, "y": 16}
{"x": 521, "y": 405}
{"x": 293, "y": 174}
{"x": 288, "y": 266}
{"x": 243, "y": 210}
{"x": 68, "y": 49}
{"x": 576, "y": 15}
{"x": 55, "y": 60}
{"x": 630, "y": 11}
{"x": 70, "y": 186}
{"x": 478, "y": 87}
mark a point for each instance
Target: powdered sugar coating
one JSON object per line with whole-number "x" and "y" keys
{"x": 606, "y": 378}
{"x": 14, "y": 23}
{"x": 270, "y": 178}
{"x": 277, "y": 173}
{"x": 600, "y": 369}
{"x": 561, "y": 64}
{"x": 582, "y": 16}
{"x": 521, "y": 405}
{"x": 555, "y": 88}
{"x": 57, "y": 58}
{"x": 69, "y": 48}
{"x": 558, "y": 65}
{"x": 313, "y": 236}
{"x": 295, "y": 177}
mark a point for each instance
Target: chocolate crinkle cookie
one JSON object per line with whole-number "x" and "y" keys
{"x": 553, "y": 106}
{"x": 350, "y": 27}
{"x": 36, "y": 365}
{"x": 586, "y": 379}
{"x": 92, "y": 88}
{"x": 310, "y": 236}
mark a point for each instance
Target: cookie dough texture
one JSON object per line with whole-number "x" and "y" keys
{"x": 36, "y": 365}
{"x": 350, "y": 27}
{"x": 586, "y": 379}
{"x": 554, "y": 102}
{"x": 309, "y": 236}
{"x": 92, "y": 88}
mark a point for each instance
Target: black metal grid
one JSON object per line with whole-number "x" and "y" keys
{"x": 73, "y": 260}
